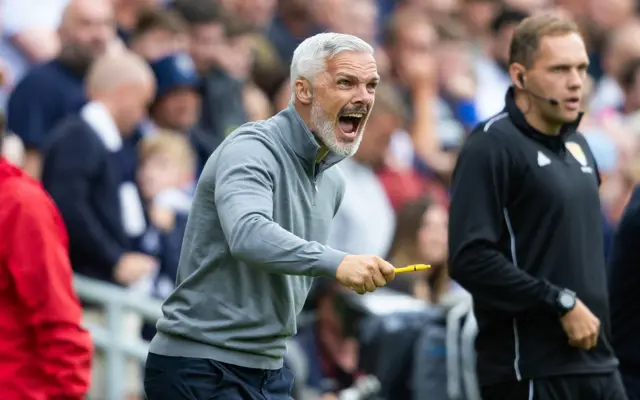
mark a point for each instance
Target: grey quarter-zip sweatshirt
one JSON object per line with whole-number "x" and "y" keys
{"x": 254, "y": 241}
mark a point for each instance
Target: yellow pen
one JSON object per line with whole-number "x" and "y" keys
{"x": 412, "y": 268}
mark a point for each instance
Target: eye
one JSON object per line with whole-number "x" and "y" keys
{"x": 344, "y": 83}
{"x": 372, "y": 86}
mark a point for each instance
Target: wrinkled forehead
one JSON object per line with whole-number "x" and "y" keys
{"x": 357, "y": 65}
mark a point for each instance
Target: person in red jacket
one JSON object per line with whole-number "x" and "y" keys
{"x": 44, "y": 352}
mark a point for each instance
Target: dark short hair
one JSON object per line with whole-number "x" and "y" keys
{"x": 629, "y": 73}
{"x": 506, "y": 17}
{"x": 159, "y": 19}
{"x": 198, "y": 12}
{"x": 530, "y": 32}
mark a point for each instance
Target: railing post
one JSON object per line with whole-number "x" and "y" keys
{"x": 114, "y": 356}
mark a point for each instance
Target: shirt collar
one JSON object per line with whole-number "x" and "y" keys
{"x": 100, "y": 120}
{"x": 303, "y": 141}
{"x": 519, "y": 120}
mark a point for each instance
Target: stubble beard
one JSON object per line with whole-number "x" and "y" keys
{"x": 324, "y": 128}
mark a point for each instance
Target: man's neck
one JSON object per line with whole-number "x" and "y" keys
{"x": 110, "y": 107}
{"x": 532, "y": 115}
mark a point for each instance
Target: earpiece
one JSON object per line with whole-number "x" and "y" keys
{"x": 551, "y": 101}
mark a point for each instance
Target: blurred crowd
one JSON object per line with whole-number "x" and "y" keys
{"x": 115, "y": 105}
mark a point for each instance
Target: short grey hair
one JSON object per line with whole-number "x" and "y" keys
{"x": 311, "y": 56}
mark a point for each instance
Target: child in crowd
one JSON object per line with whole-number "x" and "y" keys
{"x": 165, "y": 176}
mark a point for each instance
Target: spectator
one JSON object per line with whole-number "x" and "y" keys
{"x": 410, "y": 42}
{"x": 269, "y": 70}
{"x": 457, "y": 80}
{"x": 177, "y": 101}
{"x": 600, "y": 20}
{"x": 28, "y": 36}
{"x": 492, "y": 76}
{"x": 365, "y": 221}
{"x": 127, "y": 13}
{"x": 477, "y": 15}
{"x": 256, "y": 103}
{"x": 630, "y": 85}
{"x": 159, "y": 33}
{"x": 46, "y": 354}
{"x": 177, "y": 104}
{"x": 292, "y": 23}
{"x": 166, "y": 174}
{"x": 620, "y": 47}
{"x": 222, "y": 67}
{"x": 81, "y": 174}
{"x": 54, "y": 90}
{"x": 421, "y": 238}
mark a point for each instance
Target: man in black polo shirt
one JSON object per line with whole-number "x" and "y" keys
{"x": 525, "y": 231}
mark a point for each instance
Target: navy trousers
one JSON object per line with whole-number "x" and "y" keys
{"x": 181, "y": 378}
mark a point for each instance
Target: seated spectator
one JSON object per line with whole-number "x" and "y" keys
{"x": 159, "y": 33}
{"x": 421, "y": 238}
{"x": 51, "y": 91}
{"x": 46, "y": 354}
{"x": 166, "y": 174}
{"x": 365, "y": 221}
{"x": 81, "y": 172}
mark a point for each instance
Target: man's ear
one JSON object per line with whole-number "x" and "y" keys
{"x": 516, "y": 72}
{"x": 304, "y": 91}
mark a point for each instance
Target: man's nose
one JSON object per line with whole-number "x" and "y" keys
{"x": 576, "y": 80}
{"x": 362, "y": 95}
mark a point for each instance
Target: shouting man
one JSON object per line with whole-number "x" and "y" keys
{"x": 257, "y": 232}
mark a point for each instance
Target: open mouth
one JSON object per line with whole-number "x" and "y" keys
{"x": 573, "y": 102}
{"x": 349, "y": 123}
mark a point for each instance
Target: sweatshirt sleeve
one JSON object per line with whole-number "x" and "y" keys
{"x": 478, "y": 226}
{"x": 43, "y": 282}
{"x": 244, "y": 186}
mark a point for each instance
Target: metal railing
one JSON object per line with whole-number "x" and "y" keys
{"x": 109, "y": 339}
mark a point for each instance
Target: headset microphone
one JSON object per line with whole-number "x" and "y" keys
{"x": 551, "y": 101}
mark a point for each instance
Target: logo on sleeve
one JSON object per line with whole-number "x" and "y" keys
{"x": 577, "y": 153}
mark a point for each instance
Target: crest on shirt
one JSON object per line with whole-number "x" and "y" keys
{"x": 576, "y": 151}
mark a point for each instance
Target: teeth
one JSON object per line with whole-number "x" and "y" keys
{"x": 353, "y": 115}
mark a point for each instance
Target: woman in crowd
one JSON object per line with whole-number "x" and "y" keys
{"x": 421, "y": 238}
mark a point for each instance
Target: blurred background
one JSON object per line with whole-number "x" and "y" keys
{"x": 220, "y": 63}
